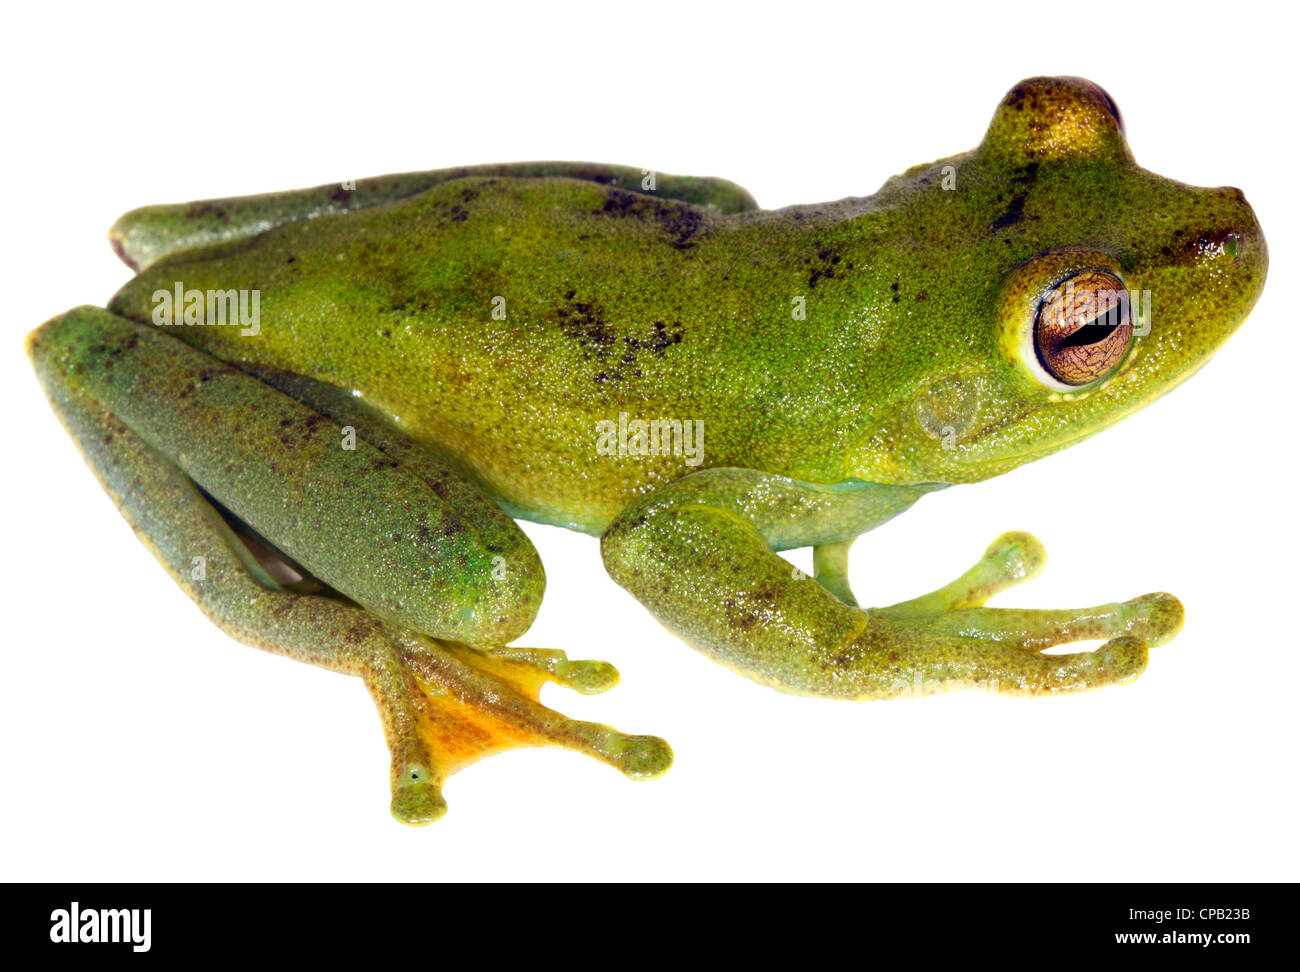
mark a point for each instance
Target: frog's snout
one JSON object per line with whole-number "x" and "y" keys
{"x": 1229, "y": 246}
{"x": 1248, "y": 249}
{"x": 1244, "y": 226}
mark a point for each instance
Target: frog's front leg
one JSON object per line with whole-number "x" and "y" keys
{"x": 157, "y": 420}
{"x": 699, "y": 554}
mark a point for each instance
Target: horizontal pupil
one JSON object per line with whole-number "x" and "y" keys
{"x": 1096, "y": 330}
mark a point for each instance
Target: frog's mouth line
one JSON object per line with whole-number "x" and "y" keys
{"x": 1111, "y": 414}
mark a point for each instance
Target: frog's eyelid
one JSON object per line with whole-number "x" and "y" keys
{"x": 1111, "y": 106}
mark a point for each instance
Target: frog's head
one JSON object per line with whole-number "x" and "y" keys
{"x": 1057, "y": 287}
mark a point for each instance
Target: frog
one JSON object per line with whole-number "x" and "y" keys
{"x": 325, "y": 410}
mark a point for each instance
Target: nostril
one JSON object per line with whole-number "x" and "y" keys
{"x": 1216, "y": 244}
{"x": 1233, "y": 193}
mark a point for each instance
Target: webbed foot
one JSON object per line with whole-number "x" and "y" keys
{"x": 453, "y": 705}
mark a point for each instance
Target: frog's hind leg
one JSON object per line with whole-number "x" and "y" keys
{"x": 146, "y": 235}
{"x": 443, "y": 704}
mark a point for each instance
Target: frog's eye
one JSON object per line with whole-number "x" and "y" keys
{"x": 1083, "y": 327}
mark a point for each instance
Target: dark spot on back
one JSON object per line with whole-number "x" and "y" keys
{"x": 1025, "y": 174}
{"x": 204, "y": 210}
{"x": 344, "y": 197}
{"x": 826, "y": 265}
{"x": 1014, "y": 213}
{"x": 678, "y": 220}
{"x": 585, "y": 323}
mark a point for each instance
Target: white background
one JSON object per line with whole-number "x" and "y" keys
{"x": 138, "y": 742}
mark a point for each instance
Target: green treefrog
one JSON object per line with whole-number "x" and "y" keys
{"x": 323, "y": 410}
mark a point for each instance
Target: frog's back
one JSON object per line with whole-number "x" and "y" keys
{"x": 516, "y": 323}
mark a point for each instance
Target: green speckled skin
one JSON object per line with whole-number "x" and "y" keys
{"x": 475, "y": 327}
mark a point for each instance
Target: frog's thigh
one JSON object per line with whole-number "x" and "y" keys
{"x": 452, "y": 487}
{"x": 699, "y": 556}
{"x": 401, "y": 544}
{"x": 146, "y": 235}
{"x": 442, "y": 705}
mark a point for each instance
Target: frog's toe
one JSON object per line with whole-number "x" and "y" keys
{"x": 1017, "y": 556}
{"x": 1156, "y": 617}
{"x": 641, "y": 757}
{"x": 1013, "y": 558}
{"x": 938, "y": 664}
{"x": 1117, "y": 662}
{"x": 417, "y": 797}
{"x": 589, "y": 677}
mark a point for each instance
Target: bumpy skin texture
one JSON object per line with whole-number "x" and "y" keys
{"x": 476, "y": 325}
